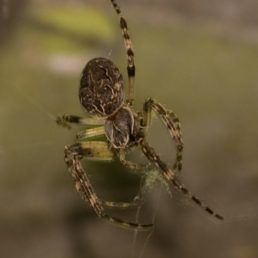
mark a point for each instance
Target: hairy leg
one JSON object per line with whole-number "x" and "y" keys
{"x": 89, "y": 133}
{"x": 129, "y": 164}
{"x": 170, "y": 176}
{"x": 129, "y": 52}
{"x": 171, "y": 121}
{"x": 73, "y": 156}
{"x": 66, "y": 120}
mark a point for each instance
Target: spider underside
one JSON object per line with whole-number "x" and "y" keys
{"x": 110, "y": 109}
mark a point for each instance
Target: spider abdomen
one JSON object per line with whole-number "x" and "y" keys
{"x": 101, "y": 88}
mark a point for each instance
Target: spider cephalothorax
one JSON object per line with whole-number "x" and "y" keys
{"x": 119, "y": 128}
{"x": 102, "y": 95}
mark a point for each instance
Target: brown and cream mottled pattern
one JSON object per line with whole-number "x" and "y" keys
{"x": 102, "y": 87}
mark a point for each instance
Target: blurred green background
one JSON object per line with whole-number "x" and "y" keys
{"x": 198, "y": 58}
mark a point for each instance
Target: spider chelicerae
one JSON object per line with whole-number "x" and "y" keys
{"x": 110, "y": 110}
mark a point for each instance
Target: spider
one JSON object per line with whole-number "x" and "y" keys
{"x": 110, "y": 110}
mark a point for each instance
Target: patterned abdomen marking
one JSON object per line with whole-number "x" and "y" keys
{"x": 101, "y": 88}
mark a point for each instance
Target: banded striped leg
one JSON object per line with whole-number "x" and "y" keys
{"x": 129, "y": 164}
{"x": 171, "y": 121}
{"x": 122, "y": 205}
{"x": 98, "y": 150}
{"x": 129, "y": 53}
{"x": 170, "y": 176}
{"x": 66, "y": 120}
{"x": 73, "y": 156}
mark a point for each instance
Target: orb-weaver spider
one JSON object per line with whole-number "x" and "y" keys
{"x": 103, "y": 97}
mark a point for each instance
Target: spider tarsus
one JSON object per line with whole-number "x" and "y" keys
{"x": 127, "y": 225}
{"x": 60, "y": 120}
{"x": 218, "y": 216}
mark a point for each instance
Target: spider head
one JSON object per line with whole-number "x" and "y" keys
{"x": 122, "y": 129}
{"x": 101, "y": 88}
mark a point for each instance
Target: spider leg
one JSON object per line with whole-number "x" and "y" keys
{"x": 73, "y": 155}
{"x": 129, "y": 53}
{"x": 129, "y": 164}
{"x": 89, "y": 133}
{"x": 170, "y": 176}
{"x": 95, "y": 150}
{"x": 122, "y": 205}
{"x": 98, "y": 150}
{"x": 66, "y": 120}
{"x": 171, "y": 121}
